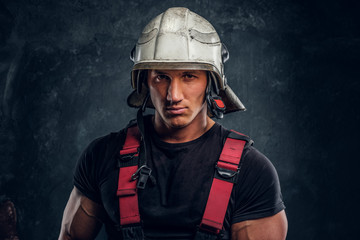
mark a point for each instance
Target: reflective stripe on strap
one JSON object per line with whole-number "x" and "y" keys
{"x": 222, "y": 185}
{"x": 127, "y": 192}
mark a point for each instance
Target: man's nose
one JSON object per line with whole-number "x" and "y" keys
{"x": 174, "y": 94}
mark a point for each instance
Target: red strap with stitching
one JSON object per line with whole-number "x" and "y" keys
{"x": 127, "y": 193}
{"x": 220, "y": 191}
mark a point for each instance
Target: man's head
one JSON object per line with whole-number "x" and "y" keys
{"x": 181, "y": 40}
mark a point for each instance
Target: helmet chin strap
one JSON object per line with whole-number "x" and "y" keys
{"x": 146, "y": 99}
{"x": 215, "y": 103}
{"x": 140, "y": 117}
{"x": 144, "y": 172}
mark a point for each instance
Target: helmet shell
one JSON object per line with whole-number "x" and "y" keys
{"x": 180, "y": 39}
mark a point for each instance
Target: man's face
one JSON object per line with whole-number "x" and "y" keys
{"x": 178, "y": 95}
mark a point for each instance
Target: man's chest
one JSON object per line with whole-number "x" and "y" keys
{"x": 183, "y": 174}
{"x": 178, "y": 197}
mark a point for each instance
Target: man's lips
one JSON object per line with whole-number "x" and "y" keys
{"x": 175, "y": 110}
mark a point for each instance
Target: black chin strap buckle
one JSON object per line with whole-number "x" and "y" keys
{"x": 143, "y": 174}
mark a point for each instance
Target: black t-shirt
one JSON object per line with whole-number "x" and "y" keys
{"x": 173, "y": 207}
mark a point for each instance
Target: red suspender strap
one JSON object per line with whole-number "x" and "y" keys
{"x": 226, "y": 172}
{"x": 127, "y": 193}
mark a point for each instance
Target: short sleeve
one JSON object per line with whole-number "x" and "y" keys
{"x": 257, "y": 192}
{"x": 86, "y": 170}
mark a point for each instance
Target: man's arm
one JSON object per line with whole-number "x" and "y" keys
{"x": 81, "y": 219}
{"x": 269, "y": 228}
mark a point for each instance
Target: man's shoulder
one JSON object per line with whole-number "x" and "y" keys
{"x": 255, "y": 163}
{"x": 250, "y": 153}
{"x": 110, "y": 139}
{"x": 258, "y": 193}
{"x": 101, "y": 149}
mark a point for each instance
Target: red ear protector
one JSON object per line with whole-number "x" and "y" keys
{"x": 216, "y": 105}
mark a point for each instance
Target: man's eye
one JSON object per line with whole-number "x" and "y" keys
{"x": 189, "y": 76}
{"x": 162, "y": 77}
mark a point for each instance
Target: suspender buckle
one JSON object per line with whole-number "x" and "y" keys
{"x": 143, "y": 174}
{"x": 128, "y": 157}
{"x": 226, "y": 174}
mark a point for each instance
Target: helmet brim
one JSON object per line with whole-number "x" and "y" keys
{"x": 169, "y": 66}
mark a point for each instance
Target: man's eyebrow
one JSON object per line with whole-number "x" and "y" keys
{"x": 184, "y": 72}
{"x": 159, "y": 72}
{"x": 192, "y": 72}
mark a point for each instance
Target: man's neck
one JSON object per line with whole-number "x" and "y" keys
{"x": 192, "y": 131}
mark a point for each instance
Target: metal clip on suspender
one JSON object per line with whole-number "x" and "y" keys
{"x": 226, "y": 174}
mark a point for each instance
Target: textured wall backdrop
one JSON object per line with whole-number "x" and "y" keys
{"x": 64, "y": 80}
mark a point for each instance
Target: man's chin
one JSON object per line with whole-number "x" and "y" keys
{"x": 176, "y": 122}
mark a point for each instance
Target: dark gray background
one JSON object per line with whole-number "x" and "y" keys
{"x": 64, "y": 80}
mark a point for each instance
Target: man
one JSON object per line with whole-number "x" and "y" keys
{"x": 166, "y": 176}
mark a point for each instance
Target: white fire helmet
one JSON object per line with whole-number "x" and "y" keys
{"x": 181, "y": 39}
